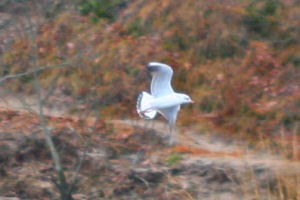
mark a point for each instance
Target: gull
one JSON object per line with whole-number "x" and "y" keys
{"x": 162, "y": 99}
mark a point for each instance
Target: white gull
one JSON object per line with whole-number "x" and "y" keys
{"x": 163, "y": 99}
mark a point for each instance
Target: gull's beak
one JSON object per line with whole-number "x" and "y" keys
{"x": 192, "y": 101}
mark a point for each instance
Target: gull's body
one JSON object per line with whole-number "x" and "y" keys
{"x": 163, "y": 99}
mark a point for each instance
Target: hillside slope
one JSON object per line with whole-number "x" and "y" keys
{"x": 127, "y": 159}
{"x": 238, "y": 60}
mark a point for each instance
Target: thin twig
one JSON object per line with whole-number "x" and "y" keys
{"x": 75, "y": 176}
{"x": 13, "y": 76}
{"x": 143, "y": 180}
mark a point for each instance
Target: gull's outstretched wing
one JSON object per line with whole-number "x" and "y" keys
{"x": 170, "y": 114}
{"x": 161, "y": 79}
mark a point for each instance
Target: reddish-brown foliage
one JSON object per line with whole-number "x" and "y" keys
{"x": 238, "y": 60}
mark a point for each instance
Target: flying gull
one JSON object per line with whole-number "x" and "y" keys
{"x": 162, "y": 99}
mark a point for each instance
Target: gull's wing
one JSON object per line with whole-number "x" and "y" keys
{"x": 170, "y": 114}
{"x": 161, "y": 79}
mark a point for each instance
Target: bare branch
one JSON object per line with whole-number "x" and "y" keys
{"x": 76, "y": 173}
{"x": 5, "y": 78}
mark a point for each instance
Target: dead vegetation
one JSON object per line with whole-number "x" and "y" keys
{"x": 124, "y": 161}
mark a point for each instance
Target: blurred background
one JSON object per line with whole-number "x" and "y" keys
{"x": 83, "y": 63}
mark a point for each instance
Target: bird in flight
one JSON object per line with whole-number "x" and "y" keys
{"x": 162, "y": 99}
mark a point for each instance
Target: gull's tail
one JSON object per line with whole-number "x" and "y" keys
{"x": 143, "y": 106}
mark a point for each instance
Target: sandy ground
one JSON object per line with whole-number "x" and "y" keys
{"x": 215, "y": 165}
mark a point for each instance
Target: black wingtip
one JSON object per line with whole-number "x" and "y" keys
{"x": 152, "y": 66}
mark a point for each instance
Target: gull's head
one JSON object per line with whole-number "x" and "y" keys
{"x": 186, "y": 98}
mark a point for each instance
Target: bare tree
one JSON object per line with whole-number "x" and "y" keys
{"x": 65, "y": 188}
